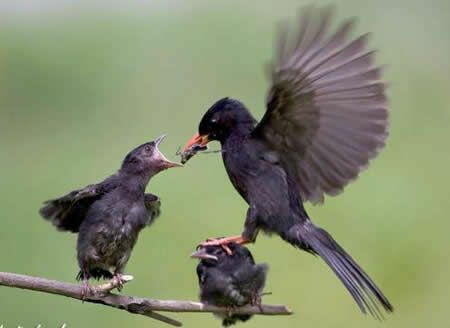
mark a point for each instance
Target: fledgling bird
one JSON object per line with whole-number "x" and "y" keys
{"x": 230, "y": 280}
{"x": 109, "y": 215}
{"x": 326, "y": 117}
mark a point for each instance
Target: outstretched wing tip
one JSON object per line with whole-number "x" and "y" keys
{"x": 327, "y": 109}
{"x": 67, "y": 212}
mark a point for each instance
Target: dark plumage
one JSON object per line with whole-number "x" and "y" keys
{"x": 230, "y": 280}
{"x": 108, "y": 216}
{"x": 326, "y": 118}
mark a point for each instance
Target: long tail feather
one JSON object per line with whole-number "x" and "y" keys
{"x": 364, "y": 291}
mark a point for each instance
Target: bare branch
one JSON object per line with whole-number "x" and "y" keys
{"x": 101, "y": 295}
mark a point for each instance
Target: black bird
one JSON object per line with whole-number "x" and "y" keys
{"x": 109, "y": 215}
{"x": 230, "y": 280}
{"x": 326, "y": 117}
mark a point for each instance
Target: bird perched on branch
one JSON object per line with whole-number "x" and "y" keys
{"x": 109, "y": 215}
{"x": 326, "y": 117}
{"x": 230, "y": 280}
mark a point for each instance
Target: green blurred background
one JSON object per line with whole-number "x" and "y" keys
{"x": 81, "y": 83}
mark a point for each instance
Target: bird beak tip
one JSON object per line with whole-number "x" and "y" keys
{"x": 201, "y": 254}
{"x": 166, "y": 163}
{"x": 197, "y": 139}
{"x": 160, "y": 139}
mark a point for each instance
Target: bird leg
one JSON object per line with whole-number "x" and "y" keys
{"x": 224, "y": 246}
{"x": 256, "y": 301}
{"x": 223, "y": 242}
{"x": 226, "y": 240}
{"x": 230, "y": 309}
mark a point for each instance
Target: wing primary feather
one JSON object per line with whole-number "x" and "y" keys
{"x": 327, "y": 112}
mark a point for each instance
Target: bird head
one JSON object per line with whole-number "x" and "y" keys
{"x": 225, "y": 117}
{"x": 147, "y": 158}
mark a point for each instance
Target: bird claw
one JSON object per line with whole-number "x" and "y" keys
{"x": 230, "y": 309}
{"x": 217, "y": 242}
{"x": 256, "y": 300}
{"x": 118, "y": 280}
{"x": 86, "y": 290}
{"x": 223, "y": 242}
{"x": 227, "y": 250}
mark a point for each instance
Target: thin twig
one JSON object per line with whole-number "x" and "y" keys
{"x": 144, "y": 306}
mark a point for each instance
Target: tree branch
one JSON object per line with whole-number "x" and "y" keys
{"x": 101, "y": 295}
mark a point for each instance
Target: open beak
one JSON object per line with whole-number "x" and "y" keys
{"x": 201, "y": 254}
{"x": 198, "y": 140}
{"x": 159, "y": 139}
{"x": 166, "y": 163}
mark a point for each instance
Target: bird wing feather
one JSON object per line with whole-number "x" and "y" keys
{"x": 153, "y": 206}
{"x": 67, "y": 212}
{"x": 326, "y": 109}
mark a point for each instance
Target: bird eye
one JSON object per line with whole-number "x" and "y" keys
{"x": 148, "y": 148}
{"x": 213, "y": 121}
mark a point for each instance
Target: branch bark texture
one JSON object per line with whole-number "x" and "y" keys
{"x": 101, "y": 294}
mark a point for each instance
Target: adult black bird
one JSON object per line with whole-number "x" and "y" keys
{"x": 230, "y": 280}
{"x": 326, "y": 117}
{"x": 109, "y": 215}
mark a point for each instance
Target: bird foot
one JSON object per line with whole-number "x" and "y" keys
{"x": 223, "y": 242}
{"x": 216, "y": 242}
{"x": 256, "y": 300}
{"x": 119, "y": 280}
{"x": 86, "y": 290}
{"x": 230, "y": 310}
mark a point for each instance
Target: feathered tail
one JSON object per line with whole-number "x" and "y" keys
{"x": 317, "y": 241}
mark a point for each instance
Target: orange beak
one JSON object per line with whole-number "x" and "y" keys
{"x": 196, "y": 139}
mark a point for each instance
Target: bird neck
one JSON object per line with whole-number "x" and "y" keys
{"x": 135, "y": 181}
{"x": 240, "y": 131}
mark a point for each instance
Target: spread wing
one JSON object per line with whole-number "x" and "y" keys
{"x": 68, "y": 211}
{"x": 326, "y": 109}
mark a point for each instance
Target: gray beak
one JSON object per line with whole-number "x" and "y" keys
{"x": 166, "y": 163}
{"x": 201, "y": 254}
{"x": 159, "y": 139}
